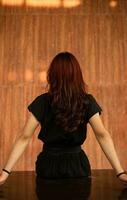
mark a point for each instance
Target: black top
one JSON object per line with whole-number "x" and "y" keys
{"x": 52, "y": 134}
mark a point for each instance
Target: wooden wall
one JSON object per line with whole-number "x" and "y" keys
{"x": 31, "y": 36}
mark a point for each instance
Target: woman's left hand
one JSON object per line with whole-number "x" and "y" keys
{"x": 123, "y": 178}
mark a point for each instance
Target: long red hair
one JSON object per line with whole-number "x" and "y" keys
{"x": 67, "y": 90}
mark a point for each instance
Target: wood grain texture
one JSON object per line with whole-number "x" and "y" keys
{"x": 30, "y": 37}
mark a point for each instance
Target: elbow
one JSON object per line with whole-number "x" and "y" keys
{"x": 103, "y": 134}
{"x": 23, "y": 138}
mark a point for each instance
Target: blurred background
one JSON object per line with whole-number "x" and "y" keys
{"x": 32, "y": 32}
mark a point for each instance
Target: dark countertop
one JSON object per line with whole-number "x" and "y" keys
{"x": 103, "y": 185}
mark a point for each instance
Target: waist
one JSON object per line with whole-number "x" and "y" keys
{"x": 62, "y": 149}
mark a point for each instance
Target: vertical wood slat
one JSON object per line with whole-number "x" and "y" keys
{"x": 97, "y": 35}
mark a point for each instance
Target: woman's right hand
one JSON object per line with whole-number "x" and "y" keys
{"x": 3, "y": 177}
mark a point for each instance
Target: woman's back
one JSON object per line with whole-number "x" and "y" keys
{"x": 61, "y": 156}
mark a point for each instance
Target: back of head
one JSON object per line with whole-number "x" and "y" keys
{"x": 67, "y": 90}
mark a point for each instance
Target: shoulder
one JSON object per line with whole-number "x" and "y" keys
{"x": 43, "y": 99}
{"x": 42, "y": 96}
{"x": 38, "y": 100}
{"x": 92, "y": 102}
{"x": 37, "y": 106}
{"x": 91, "y": 98}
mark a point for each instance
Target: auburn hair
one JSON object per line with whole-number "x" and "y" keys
{"x": 67, "y": 90}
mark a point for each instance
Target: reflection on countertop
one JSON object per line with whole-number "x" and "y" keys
{"x": 102, "y": 185}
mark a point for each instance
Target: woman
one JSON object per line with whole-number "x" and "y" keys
{"x": 63, "y": 113}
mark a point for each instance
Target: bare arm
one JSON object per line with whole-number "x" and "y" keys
{"x": 16, "y": 152}
{"x": 21, "y": 143}
{"x": 105, "y": 141}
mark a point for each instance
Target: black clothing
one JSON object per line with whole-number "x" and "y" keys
{"x": 68, "y": 159}
{"x": 64, "y": 189}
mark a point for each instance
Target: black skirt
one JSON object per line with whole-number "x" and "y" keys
{"x": 62, "y": 162}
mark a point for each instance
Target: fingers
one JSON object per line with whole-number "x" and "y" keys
{"x": 2, "y": 182}
{"x": 123, "y": 182}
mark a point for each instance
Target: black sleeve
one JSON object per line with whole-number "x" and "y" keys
{"x": 93, "y": 107}
{"x": 36, "y": 107}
